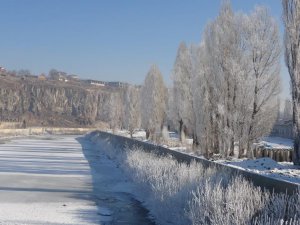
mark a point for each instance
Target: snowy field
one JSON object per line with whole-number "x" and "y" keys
{"x": 265, "y": 166}
{"x": 57, "y": 180}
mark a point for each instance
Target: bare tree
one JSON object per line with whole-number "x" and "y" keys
{"x": 291, "y": 19}
{"x": 153, "y": 103}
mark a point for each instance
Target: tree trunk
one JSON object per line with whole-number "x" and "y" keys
{"x": 147, "y": 134}
{"x": 195, "y": 141}
{"x": 231, "y": 152}
{"x": 254, "y": 112}
{"x": 296, "y": 125}
{"x": 131, "y": 134}
{"x": 180, "y": 130}
{"x": 241, "y": 151}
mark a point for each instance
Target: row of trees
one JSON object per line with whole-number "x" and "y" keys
{"x": 225, "y": 89}
{"x": 140, "y": 106}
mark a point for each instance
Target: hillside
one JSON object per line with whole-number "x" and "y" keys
{"x": 54, "y": 103}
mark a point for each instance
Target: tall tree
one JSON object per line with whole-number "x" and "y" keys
{"x": 262, "y": 39}
{"x": 291, "y": 19}
{"x": 115, "y": 109}
{"x": 182, "y": 75}
{"x": 153, "y": 103}
{"x": 224, "y": 58}
{"x": 240, "y": 79}
{"x": 203, "y": 114}
{"x": 132, "y": 113}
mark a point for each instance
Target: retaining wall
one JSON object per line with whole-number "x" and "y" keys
{"x": 264, "y": 182}
{"x": 279, "y": 155}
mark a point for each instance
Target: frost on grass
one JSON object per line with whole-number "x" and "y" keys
{"x": 177, "y": 193}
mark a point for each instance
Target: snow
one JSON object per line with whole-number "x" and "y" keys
{"x": 45, "y": 213}
{"x": 139, "y": 134}
{"x": 268, "y": 167}
{"x": 276, "y": 143}
{"x": 45, "y": 181}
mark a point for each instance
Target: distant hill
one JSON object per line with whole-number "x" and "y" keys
{"x": 55, "y": 103}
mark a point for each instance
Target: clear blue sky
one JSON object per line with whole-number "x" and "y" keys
{"x": 107, "y": 40}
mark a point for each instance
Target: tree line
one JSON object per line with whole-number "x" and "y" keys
{"x": 225, "y": 89}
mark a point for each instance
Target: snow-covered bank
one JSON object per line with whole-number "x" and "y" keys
{"x": 177, "y": 193}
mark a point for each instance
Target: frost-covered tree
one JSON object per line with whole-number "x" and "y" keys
{"x": 224, "y": 53}
{"x": 291, "y": 19}
{"x": 263, "y": 41}
{"x": 236, "y": 82}
{"x": 114, "y": 111}
{"x": 182, "y": 75}
{"x": 153, "y": 103}
{"x": 132, "y": 113}
{"x": 201, "y": 99}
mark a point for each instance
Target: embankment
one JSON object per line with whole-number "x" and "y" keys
{"x": 264, "y": 182}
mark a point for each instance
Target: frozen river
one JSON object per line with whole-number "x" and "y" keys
{"x": 63, "y": 180}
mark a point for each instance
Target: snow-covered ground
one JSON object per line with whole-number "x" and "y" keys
{"x": 62, "y": 180}
{"x": 276, "y": 143}
{"x": 267, "y": 167}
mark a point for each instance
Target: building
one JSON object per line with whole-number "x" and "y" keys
{"x": 96, "y": 82}
{"x": 73, "y": 77}
{"x": 29, "y": 77}
{"x": 2, "y": 69}
{"x": 3, "y": 72}
{"x": 116, "y": 84}
{"x": 283, "y": 128}
{"x": 58, "y": 75}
